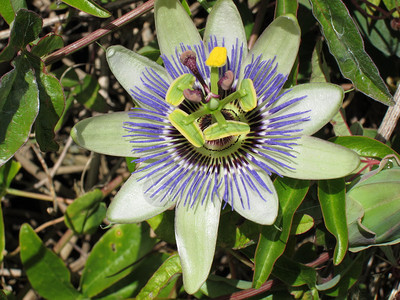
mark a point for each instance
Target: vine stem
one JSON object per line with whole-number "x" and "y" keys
{"x": 99, "y": 33}
{"x": 390, "y": 120}
{"x": 245, "y": 294}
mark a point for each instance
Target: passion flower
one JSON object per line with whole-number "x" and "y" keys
{"x": 212, "y": 126}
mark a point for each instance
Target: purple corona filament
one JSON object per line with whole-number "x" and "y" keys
{"x": 175, "y": 170}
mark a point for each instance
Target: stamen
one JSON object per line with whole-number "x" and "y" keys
{"x": 226, "y": 81}
{"x": 193, "y": 95}
{"x": 230, "y": 128}
{"x": 188, "y": 59}
{"x": 249, "y": 101}
{"x": 191, "y": 131}
{"x": 175, "y": 93}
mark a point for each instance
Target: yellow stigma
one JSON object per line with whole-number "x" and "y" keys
{"x": 217, "y": 57}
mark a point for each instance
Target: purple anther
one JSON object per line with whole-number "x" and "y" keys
{"x": 226, "y": 81}
{"x": 188, "y": 59}
{"x": 193, "y": 95}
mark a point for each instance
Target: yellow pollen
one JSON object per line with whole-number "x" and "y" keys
{"x": 217, "y": 57}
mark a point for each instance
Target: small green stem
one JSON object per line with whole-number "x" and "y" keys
{"x": 197, "y": 114}
{"x": 205, "y": 5}
{"x": 232, "y": 97}
{"x": 220, "y": 118}
{"x": 214, "y": 80}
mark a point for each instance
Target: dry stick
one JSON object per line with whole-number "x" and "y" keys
{"x": 38, "y": 229}
{"x": 99, "y": 33}
{"x": 57, "y": 164}
{"x": 106, "y": 190}
{"x": 49, "y": 178}
{"x": 390, "y": 120}
{"x": 37, "y": 196}
{"x": 115, "y": 183}
{"x": 49, "y": 223}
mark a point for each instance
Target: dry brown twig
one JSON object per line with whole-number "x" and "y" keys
{"x": 390, "y": 120}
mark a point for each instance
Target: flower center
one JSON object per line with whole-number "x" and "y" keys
{"x": 220, "y": 127}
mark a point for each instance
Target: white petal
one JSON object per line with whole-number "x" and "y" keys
{"x": 104, "y": 134}
{"x": 128, "y": 67}
{"x": 281, "y": 39}
{"x": 196, "y": 231}
{"x": 130, "y": 205}
{"x": 174, "y": 26}
{"x": 317, "y": 159}
{"x": 322, "y": 100}
{"x": 259, "y": 210}
{"x": 225, "y": 24}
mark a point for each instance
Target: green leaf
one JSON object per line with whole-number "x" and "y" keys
{"x": 339, "y": 124}
{"x": 364, "y": 146}
{"x": 26, "y": 28}
{"x": 373, "y": 209}
{"x": 68, "y": 76}
{"x": 130, "y": 164}
{"x": 320, "y": 69}
{"x": 150, "y": 51}
{"x": 47, "y": 44}
{"x": 7, "y": 11}
{"x": 134, "y": 282}
{"x": 163, "y": 226}
{"x": 379, "y": 34}
{"x": 8, "y": 8}
{"x": 348, "y": 273}
{"x": 235, "y": 233}
{"x": 52, "y": 104}
{"x": 301, "y": 224}
{"x": 284, "y": 7}
{"x": 294, "y": 273}
{"x": 86, "y": 213}
{"x": 160, "y": 278}
{"x": 217, "y": 286}
{"x": 46, "y": 271}
{"x": 90, "y": 7}
{"x": 19, "y": 106}
{"x": 332, "y": 198}
{"x": 114, "y": 256}
{"x": 7, "y": 173}
{"x": 18, "y": 4}
{"x": 87, "y": 93}
{"x": 346, "y": 45}
{"x": 392, "y": 4}
{"x": 272, "y": 243}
